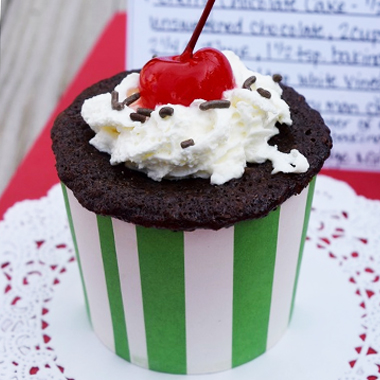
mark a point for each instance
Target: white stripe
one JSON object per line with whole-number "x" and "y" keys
{"x": 208, "y": 292}
{"x": 87, "y": 235}
{"x": 292, "y": 214}
{"x": 129, "y": 272}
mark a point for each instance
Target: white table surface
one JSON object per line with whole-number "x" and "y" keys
{"x": 43, "y": 44}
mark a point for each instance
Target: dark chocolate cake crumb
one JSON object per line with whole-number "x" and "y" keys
{"x": 277, "y": 78}
{"x": 190, "y": 203}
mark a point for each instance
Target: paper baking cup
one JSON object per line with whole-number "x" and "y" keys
{"x": 190, "y": 302}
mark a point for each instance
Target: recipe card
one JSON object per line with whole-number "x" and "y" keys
{"x": 328, "y": 50}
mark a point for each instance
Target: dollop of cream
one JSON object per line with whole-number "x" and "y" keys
{"x": 224, "y": 139}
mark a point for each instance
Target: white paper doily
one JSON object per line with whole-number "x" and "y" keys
{"x": 334, "y": 334}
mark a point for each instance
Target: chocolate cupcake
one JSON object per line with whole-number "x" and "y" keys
{"x": 188, "y": 275}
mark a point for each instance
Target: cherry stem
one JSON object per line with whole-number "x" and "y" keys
{"x": 188, "y": 52}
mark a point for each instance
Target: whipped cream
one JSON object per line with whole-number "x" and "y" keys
{"x": 224, "y": 140}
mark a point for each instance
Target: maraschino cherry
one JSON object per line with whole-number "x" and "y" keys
{"x": 180, "y": 79}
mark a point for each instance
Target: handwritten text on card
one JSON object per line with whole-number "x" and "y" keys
{"x": 329, "y": 50}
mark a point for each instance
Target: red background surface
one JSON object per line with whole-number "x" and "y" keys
{"x": 36, "y": 174}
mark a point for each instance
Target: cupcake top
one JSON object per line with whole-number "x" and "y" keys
{"x": 207, "y": 139}
{"x": 292, "y": 141}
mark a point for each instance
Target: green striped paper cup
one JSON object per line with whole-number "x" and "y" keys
{"x": 190, "y": 302}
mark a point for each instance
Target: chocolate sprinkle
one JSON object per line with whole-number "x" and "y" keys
{"x": 115, "y": 104}
{"x": 187, "y": 143}
{"x": 166, "y": 111}
{"x": 277, "y": 78}
{"x": 249, "y": 82}
{"x": 137, "y": 117}
{"x": 264, "y": 93}
{"x": 144, "y": 111}
{"x": 212, "y": 104}
{"x": 131, "y": 99}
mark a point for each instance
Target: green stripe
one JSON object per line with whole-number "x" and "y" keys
{"x": 161, "y": 256}
{"x": 255, "y": 244}
{"x": 309, "y": 202}
{"x": 111, "y": 271}
{"x": 71, "y": 224}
